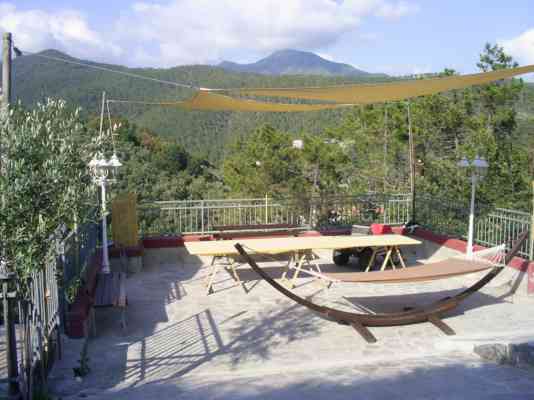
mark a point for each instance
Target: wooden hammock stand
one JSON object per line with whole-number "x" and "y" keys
{"x": 431, "y": 313}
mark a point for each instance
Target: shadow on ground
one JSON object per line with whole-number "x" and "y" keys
{"x": 164, "y": 344}
{"x": 401, "y": 302}
{"x": 412, "y": 380}
{"x": 156, "y": 349}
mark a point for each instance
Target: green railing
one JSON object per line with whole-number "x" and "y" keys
{"x": 203, "y": 216}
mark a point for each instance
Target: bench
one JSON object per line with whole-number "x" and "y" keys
{"x": 111, "y": 291}
{"x": 226, "y": 232}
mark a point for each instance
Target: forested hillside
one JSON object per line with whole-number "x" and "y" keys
{"x": 367, "y": 149}
{"x": 205, "y": 133}
{"x": 172, "y": 153}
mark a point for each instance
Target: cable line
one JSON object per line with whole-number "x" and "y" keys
{"x": 130, "y": 74}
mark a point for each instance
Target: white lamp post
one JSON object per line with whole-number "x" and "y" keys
{"x": 101, "y": 168}
{"x": 478, "y": 168}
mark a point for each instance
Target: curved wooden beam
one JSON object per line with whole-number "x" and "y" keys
{"x": 430, "y": 313}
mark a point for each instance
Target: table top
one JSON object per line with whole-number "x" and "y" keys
{"x": 293, "y": 244}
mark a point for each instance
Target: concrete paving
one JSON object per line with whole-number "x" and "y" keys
{"x": 257, "y": 344}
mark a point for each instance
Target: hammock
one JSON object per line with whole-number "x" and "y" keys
{"x": 431, "y": 313}
{"x": 448, "y": 268}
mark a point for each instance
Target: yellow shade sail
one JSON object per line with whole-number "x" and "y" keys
{"x": 209, "y": 101}
{"x": 339, "y": 96}
{"x": 390, "y": 91}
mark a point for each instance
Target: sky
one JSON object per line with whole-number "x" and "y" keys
{"x": 388, "y": 36}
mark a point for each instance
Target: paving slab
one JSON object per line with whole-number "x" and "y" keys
{"x": 256, "y": 343}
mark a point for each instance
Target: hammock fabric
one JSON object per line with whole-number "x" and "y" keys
{"x": 392, "y": 91}
{"x": 421, "y": 273}
{"x": 431, "y": 313}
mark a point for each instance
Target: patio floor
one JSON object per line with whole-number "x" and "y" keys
{"x": 181, "y": 343}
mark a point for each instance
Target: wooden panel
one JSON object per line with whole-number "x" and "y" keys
{"x": 124, "y": 220}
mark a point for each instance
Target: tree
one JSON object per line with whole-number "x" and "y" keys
{"x": 264, "y": 163}
{"x": 497, "y": 133}
{"x": 45, "y": 182}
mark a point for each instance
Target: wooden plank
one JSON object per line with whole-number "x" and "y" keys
{"x": 124, "y": 222}
{"x": 364, "y": 332}
{"x": 438, "y": 323}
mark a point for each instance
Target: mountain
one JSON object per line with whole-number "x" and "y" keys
{"x": 205, "y": 133}
{"x": 294, "y": 62}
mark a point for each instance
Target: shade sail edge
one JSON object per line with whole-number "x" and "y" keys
{"x": 206, "y": 100}
{"x": 385, "y": 92}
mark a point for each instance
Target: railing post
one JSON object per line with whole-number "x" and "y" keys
{"x": 61, "y": 266}
{"x": 266, "y": 209}
{"x": 6, "y": 70}
{"x": 385, "y": 205}
{"x": 202, "y": 216}
{"x": 11, "y": 341}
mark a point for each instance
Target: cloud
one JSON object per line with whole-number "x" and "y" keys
{"x": 326, "y": 56}
{"x": 397, "y": 10}
{"x": 200, "y": 31}
{"x": 174, "y": 32}
{"x": 521, "y": 47}
{"x": 66, "y": 30}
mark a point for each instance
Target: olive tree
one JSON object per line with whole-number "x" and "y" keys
{"x": 45, "y": 185}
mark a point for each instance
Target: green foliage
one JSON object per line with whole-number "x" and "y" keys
{"x": 367, "y": 150}
{"x": 202, "y": 133}
{"x": 263, "y": 163}
{"x": 345, "y": 151}
{"x": 159, "y": 169}
{"x": 45, "y": 184}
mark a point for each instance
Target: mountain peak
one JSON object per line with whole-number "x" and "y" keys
{"x": 294, "y": 62}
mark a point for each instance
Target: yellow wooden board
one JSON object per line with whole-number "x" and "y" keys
{"x": 293, "y": 244}
{"x": 124, "y": 220}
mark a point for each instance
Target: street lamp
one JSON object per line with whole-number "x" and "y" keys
{"x": 478, "y": 168}
{"x": 101, "y": 169}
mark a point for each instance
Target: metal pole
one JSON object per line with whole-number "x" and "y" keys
{"x": 385, "y": 147}
{"x": 102, "y": 115}
{"x": 202, "y": 216}
{"x": 105, "y": 255}
{"x": 11, "y": 348}
{"x": 412, "y": 161}
{"x": 471, "y": 217}
{"x": 6, "y": 70}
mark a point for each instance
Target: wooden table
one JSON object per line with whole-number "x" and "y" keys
{"x": 300, "y": 250}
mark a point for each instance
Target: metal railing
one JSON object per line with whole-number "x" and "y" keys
{"x": 74, "y": 253}
{"x": 41, "y": 303}
{"x": 502, "y": 226}
{"x": 392, "y": 209}
{"x": 203, "y": 216}
{"x": 442, "y": 216}
{"x": 493, "y": 226}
